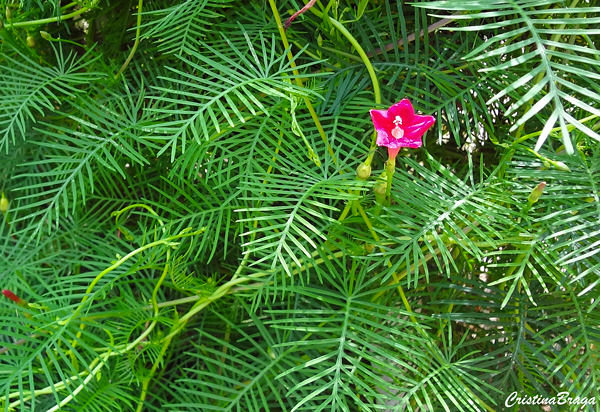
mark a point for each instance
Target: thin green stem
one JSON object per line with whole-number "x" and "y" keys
{"x": 180, "y": 324}
{"x": 298, "y": 80}
{"x": 342, "y": 53}
{"x": 345, "y": 211}
{"x": 60, "y": 386}
{"x": 570, "y": 127}
{"x": 154, "y": 306}
{"x": 68, "y": 6}
{"x": 137, "y": 39}
{"x": 367, "y": 62}
{"x": 390, "y": 169}
{"x": 118, "y": 214}
{"x": 54, "y": 387}
{"x": 359, "y": 49}
{"x": 396, "y": 279}
{"x": 102, "y": 360}
{"x": 168, "y": 242}
{"x": 54, "y": 19}
{"x": 152, "y": 371}
{"x": 225, "y": 288}
{"x": 363, "y": 56}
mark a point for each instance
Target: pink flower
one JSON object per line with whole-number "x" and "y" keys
{"x": 399, "y": 127}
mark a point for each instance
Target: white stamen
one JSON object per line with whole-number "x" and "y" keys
{"x": 398, "y": 121}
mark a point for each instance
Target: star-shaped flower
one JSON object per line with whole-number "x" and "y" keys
{"x": 399, "y": 127}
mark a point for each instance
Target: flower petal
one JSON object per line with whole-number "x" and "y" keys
{"x": 381, "y": 120}
{"x": 419, "y": 125}
{"x": 383, "y": 139}
{"x": 404, "y": 109}
{"x": 413, "y": 143}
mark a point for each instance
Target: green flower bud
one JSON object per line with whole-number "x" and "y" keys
{"x": 3, "y": 203}
{"x": 320, "y": 40}
{"x": 561, "y": 166}
{"x": 45, "y": 35}
{"x": 363, "y": 171}
{"x": 380, "y": 188}
{"x": 8, "y": 14}
{"x": 536, "y": 193}
{"x": 30, "y": 41}
{"x": 381, "y": 185}
{"x": 556, "y": 165}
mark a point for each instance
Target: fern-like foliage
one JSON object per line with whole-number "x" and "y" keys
{"x": 32, "y": 89}
{"x": 181, "y": 25}
{"x": 460, "y": 212}
{"x": 209, "y": 92}
{"x": 553, "y": 76}
{"x": 195, "y": 215}
{"x": 298, "y": 212}
{"x": 102, "y": 134}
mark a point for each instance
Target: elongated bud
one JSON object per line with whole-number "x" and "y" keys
{"x": 536, "y": 193}
{"x": 14, "y": 298}
{"x": 320, "y": 40}
{"x": 561, "y": 166}
{"x": 3, "y": 203}
{"x": 30, "y": 42}
{"x": 45, "y": 35}
{"x": 556, "y": 165}
{"x": 8, "y": 14}
{"x": 363, "y": 171}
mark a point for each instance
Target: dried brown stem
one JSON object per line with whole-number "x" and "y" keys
{"x": 411, "y": 37}
{"x": 299, "y": 12}
{"x": 17, "y": 343}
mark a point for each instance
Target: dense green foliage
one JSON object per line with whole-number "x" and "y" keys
{"x": 182, "y": 217}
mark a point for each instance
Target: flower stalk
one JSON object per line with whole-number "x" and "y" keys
{"x": 55, "y": 19}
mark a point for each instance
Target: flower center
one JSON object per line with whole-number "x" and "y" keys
{"x": 397, "y": 131}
